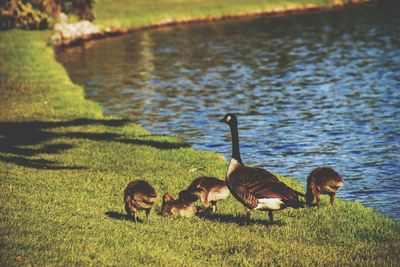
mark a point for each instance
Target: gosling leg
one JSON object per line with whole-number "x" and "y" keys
{"x": 134, "y": 216}
{"x": 333, "y": 196}
{"x": 318, "y": 199}
{"x": 214, "y": 206}
{"x": 207, "y": 209}
{"x": 147, "y": 215}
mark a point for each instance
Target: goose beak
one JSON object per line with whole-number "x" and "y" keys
{"x": 222, "y": 120}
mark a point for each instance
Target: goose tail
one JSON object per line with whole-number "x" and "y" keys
{"x": 299, "y": 193}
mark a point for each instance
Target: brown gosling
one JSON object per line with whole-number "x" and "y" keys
{"x": 209, "y": 190}
{"x": 256, "y": 188}
{"x": 139, "y": 195}
{"x": 177, "y": 206}
{"x": 323, "y": 181}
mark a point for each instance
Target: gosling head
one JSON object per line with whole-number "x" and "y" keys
{"x": 167, "y": 197}
{"x": 335, "y": 183}
{"x": 230, "y": 119}
{"x": 188, "y": 196}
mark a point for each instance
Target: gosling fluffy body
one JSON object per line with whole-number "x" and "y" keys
{"x": 323, "y": 181}
{"x": 209, "y": 190}
{"x": 139, "y": 195}
{"x": 177, "y": 206}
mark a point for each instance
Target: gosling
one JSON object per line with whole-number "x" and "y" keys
{"x": 209, "y": 190}
{"x": 323, "y": 181}
{"x": 177, "y": 207}
{"x": 139, "y": 195}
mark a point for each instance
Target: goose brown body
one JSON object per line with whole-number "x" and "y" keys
{"x": 177, "y": 206}
{"x": 209, "y": 190}
{"x": 323, "y": 181}
{"x": 256, "y": 188}
{"x": 251, "y": 185}
{"x": 139, "y": 195}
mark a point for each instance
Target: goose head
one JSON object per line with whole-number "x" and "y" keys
{"x": 230, "y": 119}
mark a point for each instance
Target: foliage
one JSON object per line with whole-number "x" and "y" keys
{"x": 20, "y": 14}
{"x": 64, "y": 166}
{"x": 37, "y": 14}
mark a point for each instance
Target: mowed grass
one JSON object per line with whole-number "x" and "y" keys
{"x": 64, "y": 166}
{"x": 142, "y": 13}
{"x": 33, "y": 85}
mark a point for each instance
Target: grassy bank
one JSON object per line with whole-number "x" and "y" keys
{"x": 130, "y": 14}
{"x": 64, "y": 166}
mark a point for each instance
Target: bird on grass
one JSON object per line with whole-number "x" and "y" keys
{"x": 323, "y": 181}
{"x": 177, "y": 206}
{"x": 209, "y": 190}
{"x": 139, "y": 195}
{"x": 256, "y": 188}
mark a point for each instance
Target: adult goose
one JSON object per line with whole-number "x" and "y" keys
{"x": 256, "y": 188}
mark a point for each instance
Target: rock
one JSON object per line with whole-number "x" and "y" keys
{"x": 67, "y": 33}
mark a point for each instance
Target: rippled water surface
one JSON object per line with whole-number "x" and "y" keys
{"x": 310, "y": 90}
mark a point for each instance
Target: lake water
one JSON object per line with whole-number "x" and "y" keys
{"x": 312, "y": 89}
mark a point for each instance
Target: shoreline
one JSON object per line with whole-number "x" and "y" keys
{"x": 107, "y": 32}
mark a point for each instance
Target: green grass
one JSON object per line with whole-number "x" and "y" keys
{"x": 33, "y": 85}
{"x": 142, "y": 13}
{"x": 64, "y": 166}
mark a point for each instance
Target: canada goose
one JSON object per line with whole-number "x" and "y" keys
{"x": 323, "y": 181}
{"x": 177, "y": 206}
{"x": 139, "y": 195}
{"x": 254, "y": 187}
{"x": 209, "y": 190}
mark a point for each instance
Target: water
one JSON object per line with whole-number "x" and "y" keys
{"x": 310, "y": 90}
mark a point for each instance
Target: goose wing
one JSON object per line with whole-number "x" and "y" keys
{"x": 249, "y": 185}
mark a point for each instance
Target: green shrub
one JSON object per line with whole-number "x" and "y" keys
{"x": 38, "y": 14}
{"x": 21, "y": 14}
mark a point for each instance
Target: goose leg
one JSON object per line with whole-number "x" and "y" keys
{"x": 248, "y": 215}
{"x": 271, "y": 217}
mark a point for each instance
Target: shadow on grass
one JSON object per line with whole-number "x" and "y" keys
{"x": 16, "y": 138}
{"x": 121, "y": 216}
{"x": 240, "y": 220}
{"x": 156, "y": 144}
{"x": 41, "y": 164}
{"x": 117, "y": 215}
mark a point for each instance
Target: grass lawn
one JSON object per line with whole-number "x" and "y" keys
{"x": 142, "y": 13}
{"x": 64, "y": 166}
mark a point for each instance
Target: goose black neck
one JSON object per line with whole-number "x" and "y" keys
{"x": 235, "y": 143}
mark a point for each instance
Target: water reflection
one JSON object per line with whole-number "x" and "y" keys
{"x": 313, "y": 89}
